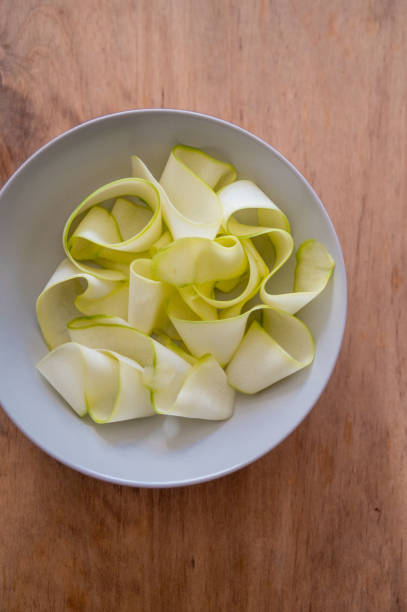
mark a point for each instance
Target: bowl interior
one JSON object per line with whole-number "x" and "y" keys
{"x": 35, "y": 203}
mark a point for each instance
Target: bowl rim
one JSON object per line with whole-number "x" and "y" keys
{"x": 341, "y": 262}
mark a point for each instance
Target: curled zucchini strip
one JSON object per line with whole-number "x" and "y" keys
{"x": 270, "y": 352}
{"x": 246, "y": 207}
{"x": 187, "y": 187}
{"x": 146, "y": 298}
{"x": 199, "y": 260}
{"x": 98, "y": 234}
{"x": 71, "y": 292}
{"x": 218, "y": 337}
{"x": 205, "y": 393}
{"x": 313, "y": 270}
{"x": 256, "y": 271}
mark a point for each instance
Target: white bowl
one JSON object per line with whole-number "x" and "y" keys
{"x": 159, "y": 451}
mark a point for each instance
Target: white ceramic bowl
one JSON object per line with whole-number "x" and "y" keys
{"x": 160, "y": 451}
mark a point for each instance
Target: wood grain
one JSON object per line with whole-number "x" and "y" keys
{"x": 320, "y": 523}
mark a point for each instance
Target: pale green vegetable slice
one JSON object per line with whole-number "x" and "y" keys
{"x": 71, "y": 292}
{"x": 282, "y": 246}
{"x": 313, "y": 270}
{"x": 189, "y": 179}
{"x": 255, "y": 274}
{"x": 269, "y": 353}
{"x": 170, "y": 214}
{"x": 190, "y": 204}
{"x": 244, "y": 196}
{"x": 314, "y": 267}
{"x": 205, "y": 393}
{"x": 64, "y": 368}
{"x": 90, "y": 241}
{"x": 213, "y": 172}
{"x": 262, "y": 271}
{"x": 199, "y": 260}
{"x": 106, "y": 385}
{"x": 219, "y": 337}
{"x": 146, "y": 298}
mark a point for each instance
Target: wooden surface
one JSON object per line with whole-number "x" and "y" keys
{"x": 320, "y": 523}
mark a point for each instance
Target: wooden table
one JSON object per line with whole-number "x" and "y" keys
{"x": 320, "y": 523}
